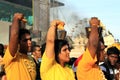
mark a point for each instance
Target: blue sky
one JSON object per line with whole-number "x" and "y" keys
{"x": 106, "y": 10}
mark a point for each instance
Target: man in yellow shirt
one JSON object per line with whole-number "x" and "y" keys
{"x": 53, "y": 65}
{"x": 18, "y": 65}
{"x": 88, "y": 68}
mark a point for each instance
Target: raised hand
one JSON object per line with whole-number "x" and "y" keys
{"x": 19, "y": 17}
{"x": 94, "y": 22}
{"x": 57, "y": 23}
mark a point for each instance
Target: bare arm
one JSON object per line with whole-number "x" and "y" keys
{"x": 94, "y": 36}
{"x": 51, "y": 37}
{"x": 14, "y": 32}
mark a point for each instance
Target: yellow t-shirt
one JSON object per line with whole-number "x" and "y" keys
{"x": 87, "y": 69}
{"x": 19, "y": 67}
{"x": 51, "y": 70}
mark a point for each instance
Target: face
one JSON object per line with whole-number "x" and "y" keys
{"x": 102, "y": 52}
{"x": 25, "y": 43}
{"x": 64, "y": 54}
{"x": 37, "y": 52}
{"x": 113, "y": 58}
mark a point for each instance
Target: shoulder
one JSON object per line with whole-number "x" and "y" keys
{"x": 103, "y": 67}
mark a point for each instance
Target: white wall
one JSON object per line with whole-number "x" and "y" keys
{"x": 4, "y": 32}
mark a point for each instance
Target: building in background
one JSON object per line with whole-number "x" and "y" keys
{"x": 39, "y": 13}
{"x": 35, "y": 11}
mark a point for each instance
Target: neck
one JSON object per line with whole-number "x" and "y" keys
{"x": 36, "y": 58}
{"x": 62, "y": 64}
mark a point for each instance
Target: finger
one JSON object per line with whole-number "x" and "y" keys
{"x": 61, "y": 26}
{"x": 19, "y": 16}
{"x": 24, "y": 20}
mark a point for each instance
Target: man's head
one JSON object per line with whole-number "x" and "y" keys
{"x": 102, "y": 52}
{"x": 112, "y": 55}
{"x": 24, "y": 40}
{"x": 94, "y": 21}
{"x": 37, "y": 51}
{"x": 62, "y": 51}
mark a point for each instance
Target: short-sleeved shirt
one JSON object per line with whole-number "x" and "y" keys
{"x": 51, "y": 70}
{"x": 87, "y": 69}
{"x": 19, "y": 67}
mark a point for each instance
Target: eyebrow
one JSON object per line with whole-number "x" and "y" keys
{"x": 25, "y": 40}
{"x": 114, "y": 56}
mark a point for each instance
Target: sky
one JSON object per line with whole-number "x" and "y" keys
{"x": 106, "y": 10}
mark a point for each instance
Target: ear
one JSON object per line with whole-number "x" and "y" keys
{"x": 106, "y": 56}
{"x": 33, "y": 53}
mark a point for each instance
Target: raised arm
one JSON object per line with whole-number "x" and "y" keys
{"x": 51, "y": 35}
{"x": 94, "y": 36}
{"x": 14, "y": 32}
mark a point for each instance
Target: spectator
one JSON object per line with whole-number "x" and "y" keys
{"x": 53, "y": 65}
{"x": 18, "y": 65}
{"x": 37, "y": 59}
{"x": 1, "y": 50}
{"x": 2, "y": 71}
{"x": 109, "y": 66}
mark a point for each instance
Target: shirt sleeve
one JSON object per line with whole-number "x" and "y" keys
{"x": 87, "y": 61}
{"x": 46, "y": 64}
{"x": 7, "y": 57}
{"x": 103, "y": 68}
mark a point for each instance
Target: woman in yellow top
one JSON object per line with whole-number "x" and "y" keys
{"x": 55, "y": 57}
{"x": 88, "y": 68}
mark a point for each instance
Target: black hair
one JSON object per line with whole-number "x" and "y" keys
{"x": 34, "y": 47}
{"x": 43, "y": 48}
{"x": 112, "y": 50}
{"x": 1, "y": 49}
{"x": 23, "y": 32}
{"x": 2, "y": 71}
{"x": 58, "y": 45}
